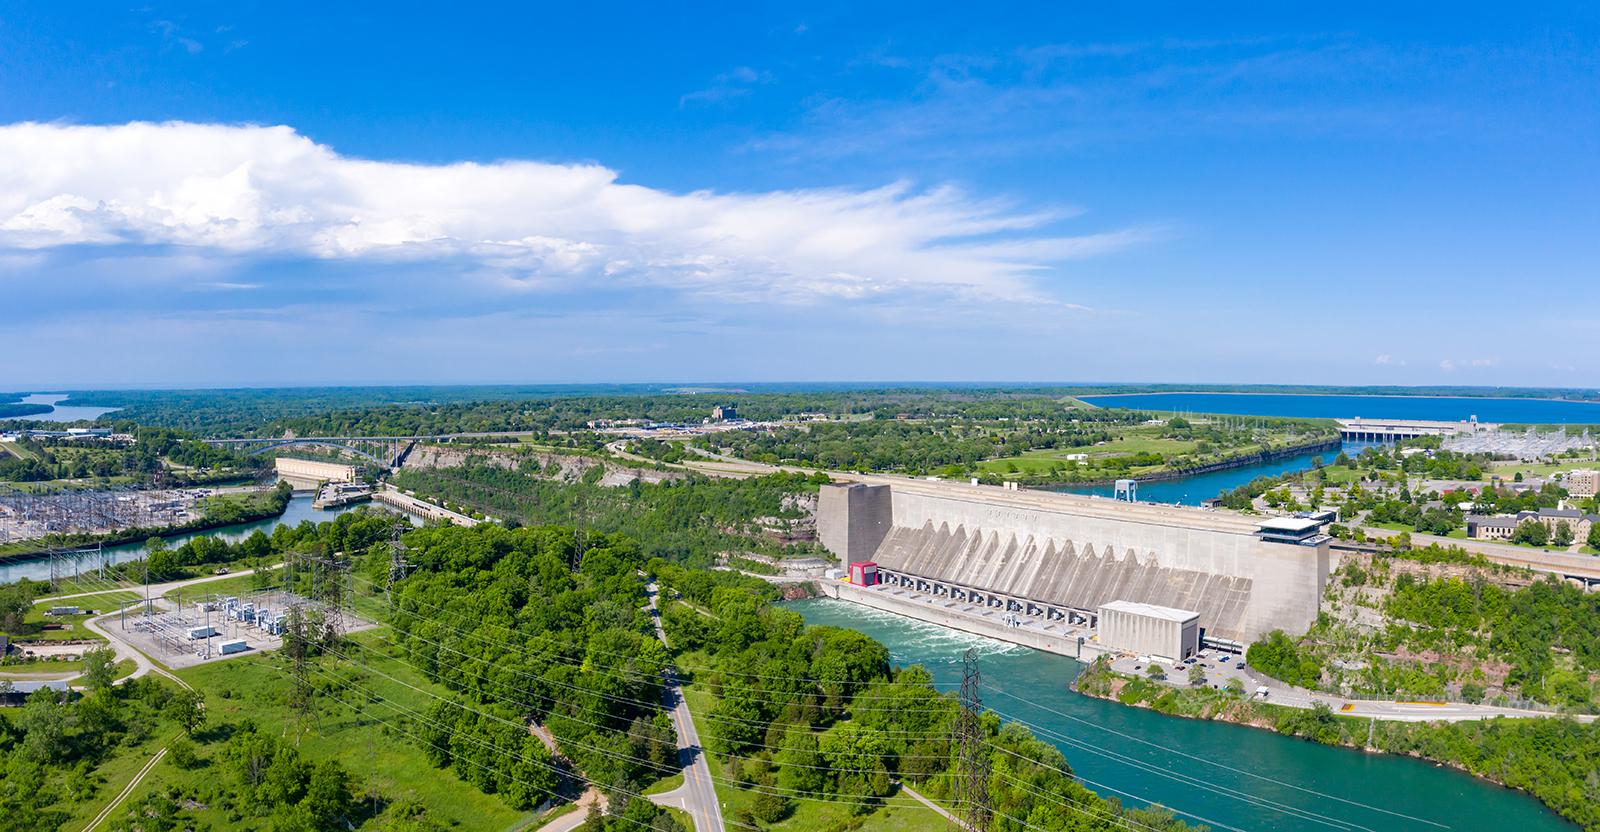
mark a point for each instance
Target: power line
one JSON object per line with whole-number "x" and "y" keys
{"x": 1120, "y": 758}
{"x": 1223, "y": 766}
{"x": 971, "y": 783}
{"x": 1254, "y": 800}
{"x": 1126, "y": 823}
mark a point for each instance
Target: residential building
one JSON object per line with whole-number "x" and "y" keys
{"x": 1491, "y": 528}
{"x": 1583, "y": 482}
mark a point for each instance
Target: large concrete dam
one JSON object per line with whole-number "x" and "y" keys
{"x": 1061, "y": 556}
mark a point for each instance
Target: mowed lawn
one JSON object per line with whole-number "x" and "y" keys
{"x": 33, "y": 623}
{"x": 1047, "y": 458}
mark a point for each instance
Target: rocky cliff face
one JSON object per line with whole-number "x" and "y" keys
{"x": 547, "y": 466}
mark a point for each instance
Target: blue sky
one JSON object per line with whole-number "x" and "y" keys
{"x": 251, "y": 193}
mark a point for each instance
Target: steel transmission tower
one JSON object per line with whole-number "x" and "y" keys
{"x": 971, "y": 787}
{"x": 397, "y": 557}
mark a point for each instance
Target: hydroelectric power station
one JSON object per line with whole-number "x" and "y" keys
{"x": 1036, "y": 568}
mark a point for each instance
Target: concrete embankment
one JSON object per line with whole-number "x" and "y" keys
{"x": 1059, "y": 638}
{"x": 406, "y": 502}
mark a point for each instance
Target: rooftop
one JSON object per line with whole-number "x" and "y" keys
{"x": 1297, "y": 525}
{"x": 1151, "y": 611}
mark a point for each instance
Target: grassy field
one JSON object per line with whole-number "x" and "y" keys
{"x": 1507, "y": 470}
{"x": 1129, "y": 442}
{"x": 115, "y": 774}
{"x": 665, "y": 784}
{"x": 899, "y": 813}
{"x": 17, "y": 451}
{"x": 53, "y": 669}
{"x": 372, "y": 747}
{"x": 1340, "y": 475}
{"x": 33, "y": 623}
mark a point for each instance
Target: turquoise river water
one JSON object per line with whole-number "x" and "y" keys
{"x": 1225, "y": 776}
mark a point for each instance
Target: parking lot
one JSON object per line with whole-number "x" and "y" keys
{"x": 1220, "y": 667}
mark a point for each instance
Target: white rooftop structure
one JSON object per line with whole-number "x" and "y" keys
{"x": 1150, "y": 610}
{"x": 1292, "y": 525}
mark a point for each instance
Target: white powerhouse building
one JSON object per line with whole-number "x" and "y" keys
{"x": 1146, "y": 628}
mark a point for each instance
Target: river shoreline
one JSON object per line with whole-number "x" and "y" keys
{"x": 1257, "y": 458}
{"x": 1267, "y": 717}
{"x": 127, "y": 536}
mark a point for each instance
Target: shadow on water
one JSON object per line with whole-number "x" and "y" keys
{"x": 1232, "y": 777}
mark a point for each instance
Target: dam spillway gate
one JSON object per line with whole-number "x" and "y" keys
{"x": 1060, "y": 557}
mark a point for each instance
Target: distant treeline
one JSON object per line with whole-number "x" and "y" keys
{"x": 261, "y": 411}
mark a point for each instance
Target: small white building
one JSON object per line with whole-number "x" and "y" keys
{"x": 1164, "y": 632}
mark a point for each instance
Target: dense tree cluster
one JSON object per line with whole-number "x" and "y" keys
{"x": 1555, "y": 760}
{"x": 498, "y": 616}
{"x": 687, "y": 520}
{"x": 819, "y": 713}
{"x": 272, "y": 778}
{"x": 1525, "y": 628}
{"x": 1279, "y": 656}
{"x": 52, "y": 458}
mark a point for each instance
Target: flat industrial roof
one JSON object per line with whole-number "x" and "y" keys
{"x": 1151, "y": 611}
{"x": 1288, "y": 524}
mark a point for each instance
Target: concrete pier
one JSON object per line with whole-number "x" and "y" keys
{"x": 401, "y": 500}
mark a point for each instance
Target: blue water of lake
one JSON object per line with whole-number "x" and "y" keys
{"x": 1426, "y": 408}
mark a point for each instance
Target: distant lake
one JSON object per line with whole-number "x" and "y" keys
{"x": 61, "y": 414}
{"x": 1426, "y": 408}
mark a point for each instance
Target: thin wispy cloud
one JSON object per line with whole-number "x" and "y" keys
{"x": 738, "y": 83}
{"x": 1042, "y": 99}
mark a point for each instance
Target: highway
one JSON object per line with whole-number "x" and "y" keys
{"x": 1582, "y": 567}
{"x": 697, "y": 795}
{"x": 1220, "y": 669}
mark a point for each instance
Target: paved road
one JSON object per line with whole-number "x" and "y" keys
{"x": 1219, "y": 673}
{"x": 697, "y": 795}
{"x": 156, "y": 590}
{"x": 1581, "y": 566}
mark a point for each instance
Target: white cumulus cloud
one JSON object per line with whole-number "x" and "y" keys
{"x": 250, "y": 191}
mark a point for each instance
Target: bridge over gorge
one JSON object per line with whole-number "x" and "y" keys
{"x": 385, "y": 451}
{"x": 388, "y": 451}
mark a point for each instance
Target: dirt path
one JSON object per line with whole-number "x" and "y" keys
{"x": 137, "y": 778}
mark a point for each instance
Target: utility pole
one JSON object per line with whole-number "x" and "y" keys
{"x": 971, "y": 787}
{"x": 397, "y": 557}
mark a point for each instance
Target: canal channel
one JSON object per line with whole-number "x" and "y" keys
{"x": 1189, "y": 491}
{"x": 1229, "y": 777}
{"x": 298, "y": 511}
